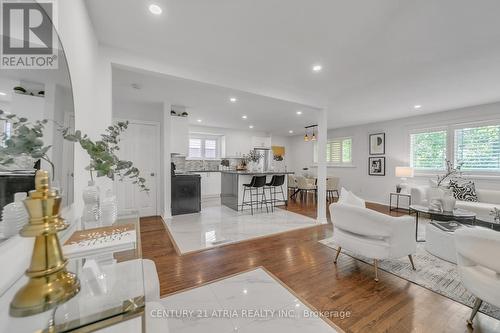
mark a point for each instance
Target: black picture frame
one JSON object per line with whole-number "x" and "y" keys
{"x": 373, "y": 169}
{"x": 380, "y": 136}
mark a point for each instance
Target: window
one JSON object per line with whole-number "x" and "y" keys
{"x": 475, "y": 146}
{"x": 428, "y": 150}
{"x": 204, "y": 146}
{"x": 478, "y": 148}
{"x": 338, "y": 151}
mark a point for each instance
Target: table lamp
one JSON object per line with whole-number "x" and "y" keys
{"x": 404, "y": 173}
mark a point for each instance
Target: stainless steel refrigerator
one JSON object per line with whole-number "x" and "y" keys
{"x": 266, "y": 160}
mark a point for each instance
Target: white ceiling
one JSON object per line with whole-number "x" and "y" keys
{"x": 211, "y": 104}
{"x": 380, "y": 57}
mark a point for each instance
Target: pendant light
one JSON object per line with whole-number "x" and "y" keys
{"x": 308, "y": 138}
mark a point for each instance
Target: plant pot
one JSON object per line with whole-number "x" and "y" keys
{"x": 448, "y": 202}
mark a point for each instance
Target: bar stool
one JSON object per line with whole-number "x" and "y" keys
{"x": 257, "y": 182}
{"x": 272, "y": 186}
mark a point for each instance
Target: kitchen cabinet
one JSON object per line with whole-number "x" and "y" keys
{"x": 179, "y": 135}
{"x": 210, "y": 184}
{"x": 261, "y": 142}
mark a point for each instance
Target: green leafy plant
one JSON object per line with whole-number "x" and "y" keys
{"x": 25, "y": 138}
{"x": 253, "y": 156}
{"x": 278, "y": 158}
{"x": 102, "y": 153}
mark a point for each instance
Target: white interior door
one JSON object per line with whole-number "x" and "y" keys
{"x": 140, "y": 143}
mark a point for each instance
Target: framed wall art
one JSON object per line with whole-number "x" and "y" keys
{"x": 377, "y": 144}
{"x": 376, "y": 166}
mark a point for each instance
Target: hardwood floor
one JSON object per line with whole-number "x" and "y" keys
{"x": 306, "y": 266}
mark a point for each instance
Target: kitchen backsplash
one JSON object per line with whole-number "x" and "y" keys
{"x": 182, "y": 164}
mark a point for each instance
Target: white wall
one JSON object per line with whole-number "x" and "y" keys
{"x": 376, "y": 188}
{"x": 91, "y": 80}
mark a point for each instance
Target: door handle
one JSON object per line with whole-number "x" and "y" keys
{"x": 152, "y": 174}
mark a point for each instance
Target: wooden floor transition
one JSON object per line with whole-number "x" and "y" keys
{"x": 304, "y": 265}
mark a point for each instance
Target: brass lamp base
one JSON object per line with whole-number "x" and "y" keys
{"x": 50, "y": 284}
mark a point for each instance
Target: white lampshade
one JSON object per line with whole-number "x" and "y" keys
{"x": 404, "y": 172}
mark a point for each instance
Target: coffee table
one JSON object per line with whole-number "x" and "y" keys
{"x": 440, "y": 239}
{"x": 459, "y": 215}
{"x": 487, "y": 222}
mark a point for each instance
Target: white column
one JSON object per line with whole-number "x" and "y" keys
{"x": 322, "y": 139}
{"x": 167, "y": 180}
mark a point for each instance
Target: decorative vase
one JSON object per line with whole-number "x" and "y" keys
{"x": 435, "y": 196}
{"x": 91, "y": 199}
{"x": 448, "y": 202}
{"x": 109, "y": 209}
{"x": 14, "y": 216}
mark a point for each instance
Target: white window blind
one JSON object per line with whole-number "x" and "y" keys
{"x": 338, "y": 151}
{"x": 204, "y": 146}
{"x": 195, "y": 148}
{"x": 210, "y": 148}
{"x": 478, "y": 148}
{"x": 428, "y": 150}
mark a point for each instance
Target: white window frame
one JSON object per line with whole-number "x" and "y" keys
{"x": 450, "y": 145}
{"x": 203, "y": 138}
{"x": 331, "y": 164}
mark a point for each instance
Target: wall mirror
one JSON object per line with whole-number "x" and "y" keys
{"x": 31, "y": 95}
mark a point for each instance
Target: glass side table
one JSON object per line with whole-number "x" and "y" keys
{"x": 459, "y": 215}
{"x": 398, "y": 196}
{"x": 112, "y": 285}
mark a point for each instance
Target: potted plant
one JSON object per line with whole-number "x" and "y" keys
{"x": 102, "y": 154}
{"x": 253, "y": 159}
{"x": 19, "y": 90}
{"x": 24, "y": 145}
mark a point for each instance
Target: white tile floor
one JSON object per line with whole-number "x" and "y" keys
{"x": 218, "y": 225}
{"x": 248, "y": 302}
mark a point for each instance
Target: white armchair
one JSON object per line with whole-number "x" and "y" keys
{"x": 478, "y": 264}
{"x": 372, "y": 234}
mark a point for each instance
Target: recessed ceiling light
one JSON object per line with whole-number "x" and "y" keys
{"x": 290, "y": 131}
{"x": 317, "y": 68}
{"x": 198, "y": 120}
{"x": 2, "y": 93}
{"x": 298, "y": 113}
{"x": 233, "y": 99}
{"x": 416, "y": 107}
{"x": 251, "y": 126}
{"x": 155, "y": 9}
{"x": 244, "y": 117}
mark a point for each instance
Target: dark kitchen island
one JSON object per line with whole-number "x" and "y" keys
{"x": 232, "y": 185}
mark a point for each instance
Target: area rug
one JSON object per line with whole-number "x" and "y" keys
{"x": 431, "y": 272}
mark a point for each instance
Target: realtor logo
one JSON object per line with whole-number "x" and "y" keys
{"x": 28, "y": 35}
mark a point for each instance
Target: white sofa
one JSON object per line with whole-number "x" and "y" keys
{"x": 487, "y": 200}
{"x": 372, "y": 234}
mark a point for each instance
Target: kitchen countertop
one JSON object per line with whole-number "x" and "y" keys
{"x": 250, "y": 173}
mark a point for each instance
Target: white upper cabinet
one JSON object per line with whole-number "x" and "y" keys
{"x": 179, "y": 135}
{"x": 261, "y": 142}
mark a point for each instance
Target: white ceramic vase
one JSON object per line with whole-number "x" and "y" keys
{"x": 448, "y": 202}
{"x": 14, "y": 216}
